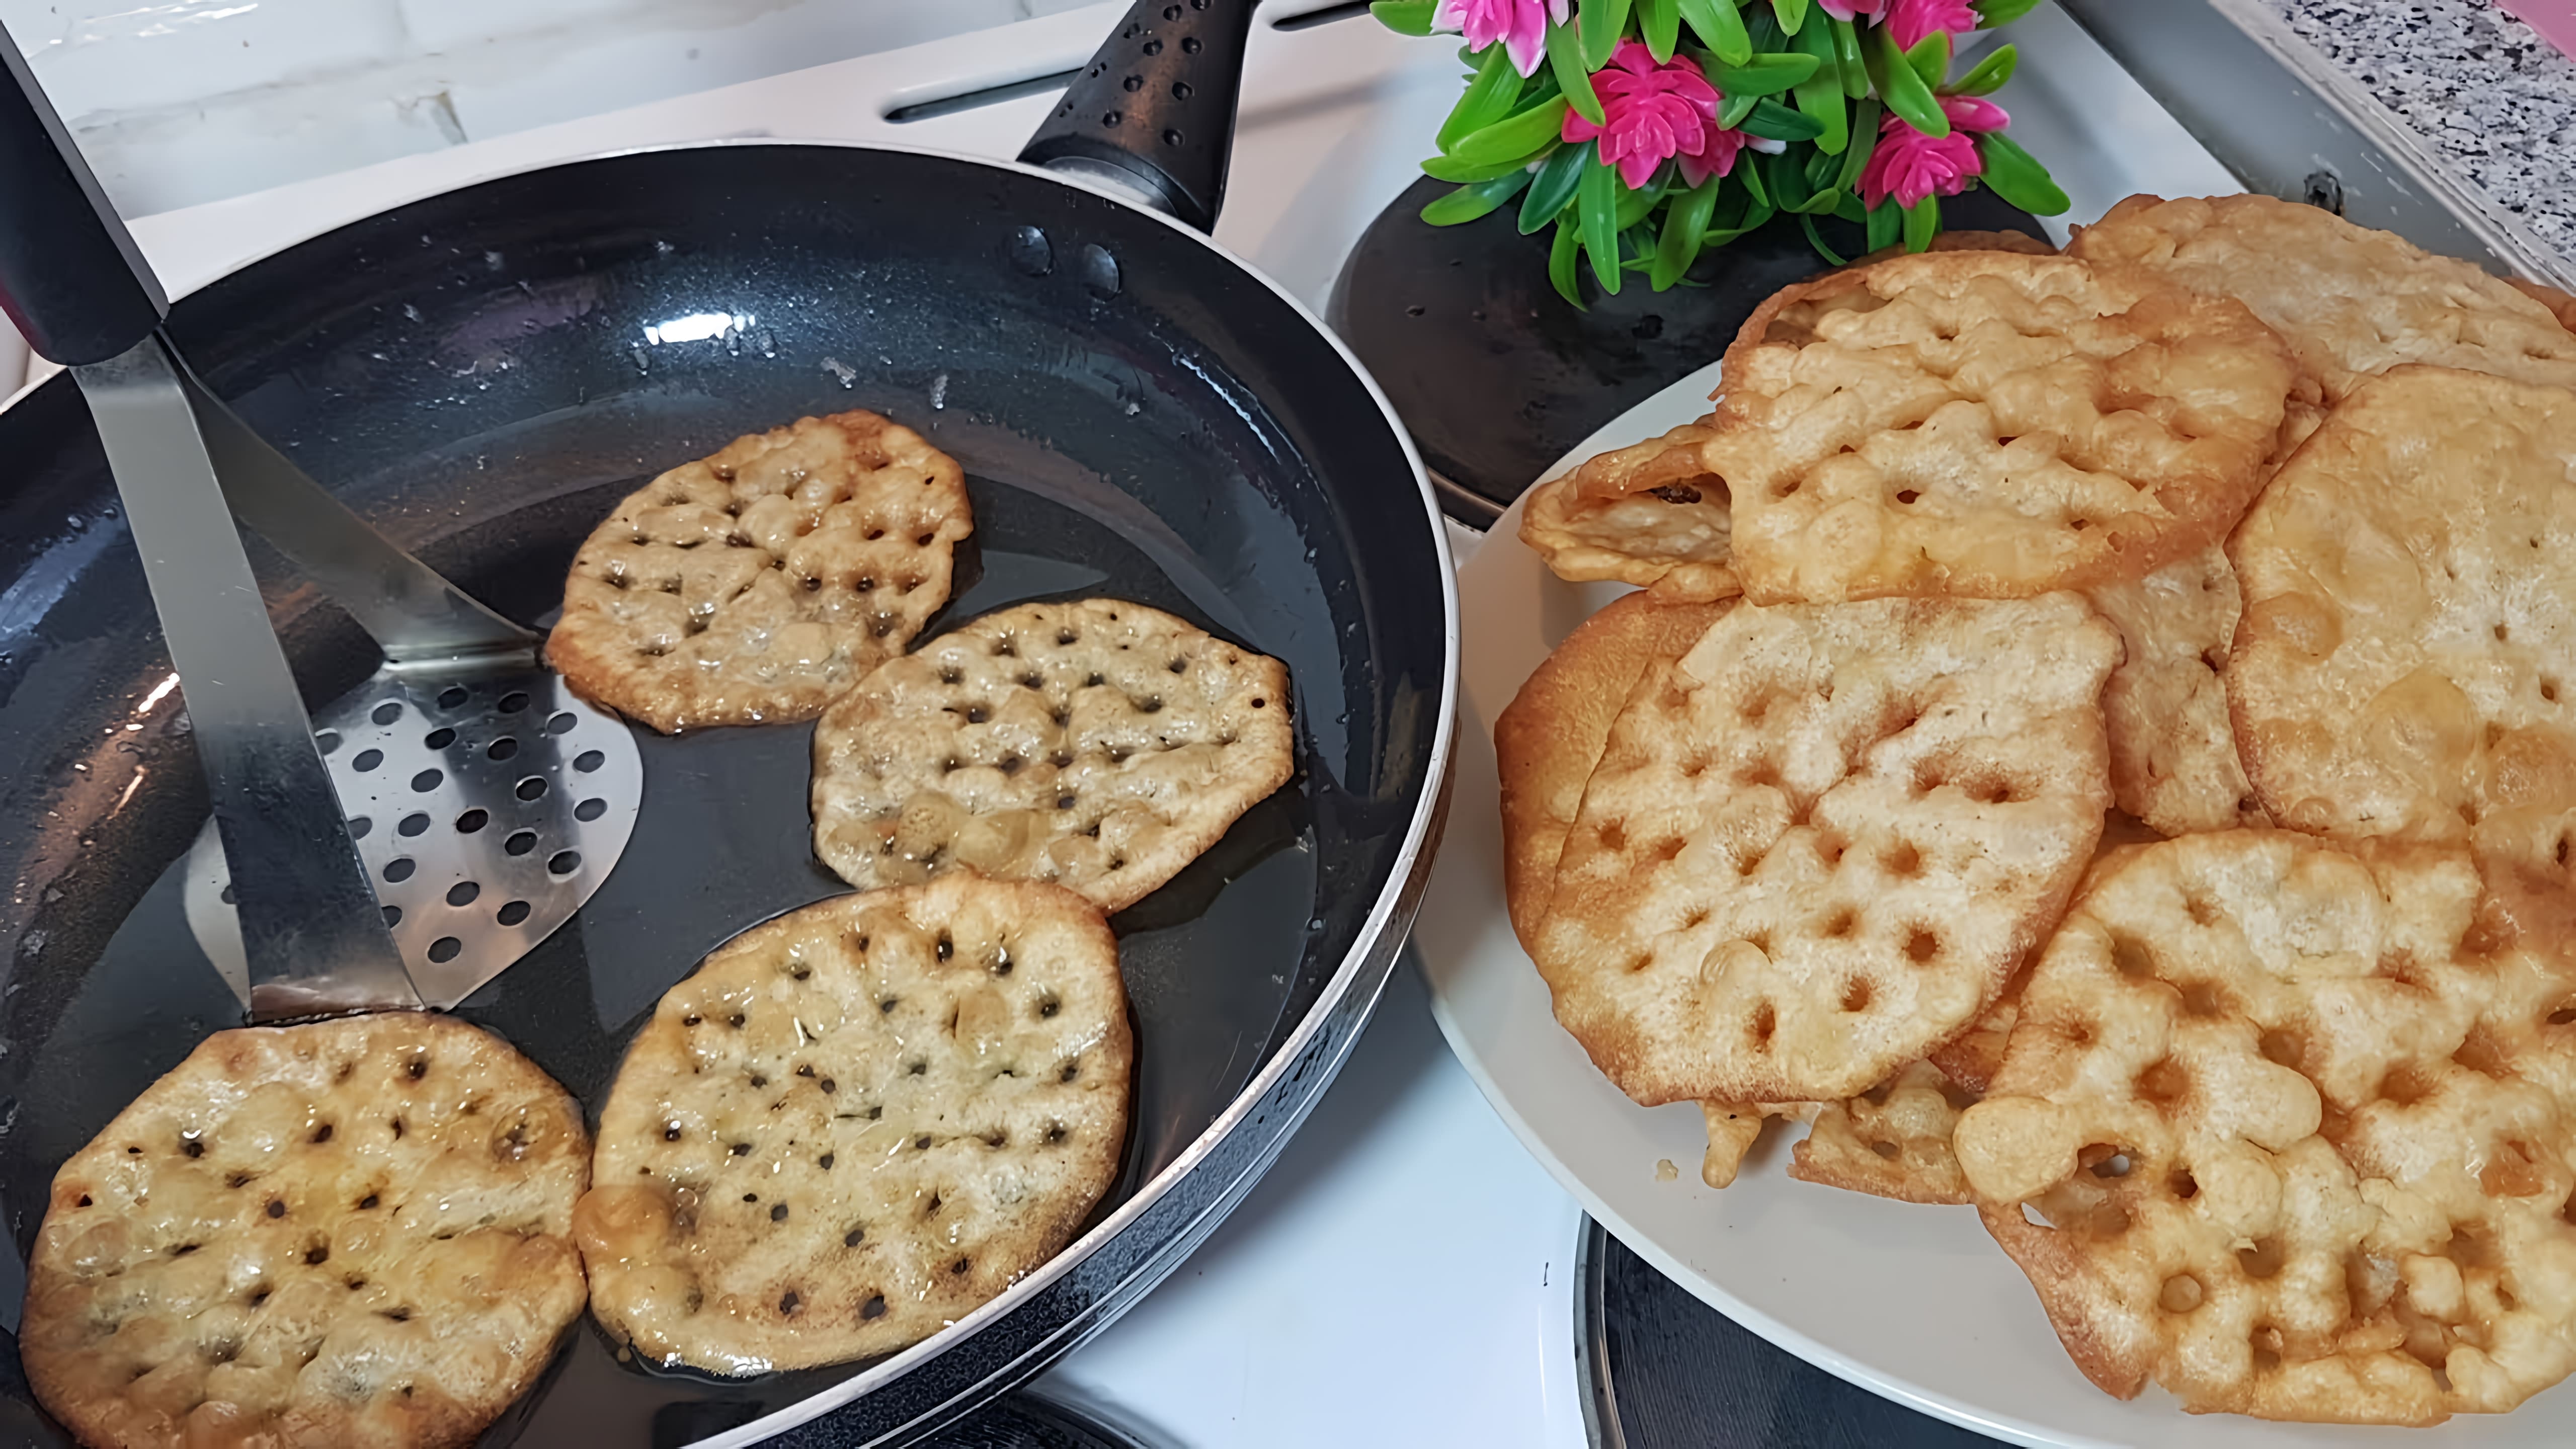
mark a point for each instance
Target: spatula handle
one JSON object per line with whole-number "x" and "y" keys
{"x": 71, "y": 276}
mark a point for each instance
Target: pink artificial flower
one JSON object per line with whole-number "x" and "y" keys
{"x": 1716, "y": 156}
{"x": 1521, "y": 25}
{"x": 1910, "y": 165}
{"x": 1653, "y": 112}
{"x": 1849, "y": 9}
{"x": 1974, "y": 113}
{"x": 1911, "y": 20}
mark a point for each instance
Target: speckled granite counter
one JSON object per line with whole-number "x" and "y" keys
{"x": 2478, "y": 87}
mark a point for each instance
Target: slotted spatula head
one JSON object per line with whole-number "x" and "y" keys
{"x": 488, "y": 808}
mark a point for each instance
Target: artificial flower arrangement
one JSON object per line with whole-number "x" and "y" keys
{"x": 1625, "y": 124}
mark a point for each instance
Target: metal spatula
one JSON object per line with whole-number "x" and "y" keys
{"x": 448, "y": 814}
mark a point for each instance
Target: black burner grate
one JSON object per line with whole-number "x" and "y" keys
{"x": 1662, "y": 1370}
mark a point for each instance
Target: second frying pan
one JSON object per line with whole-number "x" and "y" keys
{"x": 483, "y": 373}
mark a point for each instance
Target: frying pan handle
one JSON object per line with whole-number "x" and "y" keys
{"x": 1155, "y": 107}
{"x": 71, "y": 276}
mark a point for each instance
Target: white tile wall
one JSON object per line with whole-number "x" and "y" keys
{"x": 186, "y": 101}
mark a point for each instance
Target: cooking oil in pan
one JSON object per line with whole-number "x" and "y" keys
{"x": 1218, "y": 963}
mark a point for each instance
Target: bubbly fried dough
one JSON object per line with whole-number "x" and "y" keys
{"x": 1892, "y": 1141}
{"x": 2560, "y": 304}
{"x": 1991, "y": 425}
{"x": 757, "y": 585}
{"x": 1096, "y": 743}
{"x": 348, "y": 1233}
{"x": 2173, "y": 750}
{"x": 1819, "y": 844}
{"x": 857, "y": 1123}
{"x": 2406, "y": 667}
{"x": 1552, "y": 734}
{"x": 1648, "y": 514}
{"x": 2350, "y": 301}
{"x": 2297, "y": 1123}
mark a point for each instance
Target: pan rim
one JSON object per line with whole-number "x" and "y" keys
{"x": 1408, "y": 862}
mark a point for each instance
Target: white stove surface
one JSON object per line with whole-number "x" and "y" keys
{"x": 1403, "y": 1275}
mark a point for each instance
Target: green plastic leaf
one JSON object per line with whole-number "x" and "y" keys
{"x": 1405, "y": 17}
{"x": 1792, "y": 13}
{"x": 1450, "y": 168}
{"x": 1901, "y": 87}
{"x": 1820, "y": 95}
{"x": 1564, "y": 255}
{"x": 1832, "y": 258}
{"x": 1685, "y": 232}
{"x": 1737, "y": 106}
{"x": 1922, "y": 223}
{"x": 1991, "y": 13}
{"x": 1820, "y": 99}
{"x": 1659, "y": 24}
{"x": 1763, "y": 75}
{"x": 1848, "y": 207}
{"x": 1864, "y": 141}
{"x": 1753, "y": 220}
{"x": 1788, "y": 187}
{"x": 1748, "y": 169}
{"x": 1930, "y": 58}
{"x": 1596, "y": 207}
{"x": 1467, "y": 203}
{"x": 1821, "y": 169}
{"x": 1720, "y": 28}
{"x": 1519, "y": 136}
{"x": 2016, "y": 176}
{"x": 1847, "y": 59}
{"x": 1773, "y": 121}
{"x": 1553, "y": 187}
{"x": 1886, "y": 225}
{"x": 1601, "y": 23}
{"x": 1634, "y": 205}
{"x": 1988, "y": 75}
{"x": 1565, "y": 59}
{"x": 1488, "y": 98}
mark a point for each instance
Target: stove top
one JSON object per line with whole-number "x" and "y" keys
{"x": 1406, "y": 1275}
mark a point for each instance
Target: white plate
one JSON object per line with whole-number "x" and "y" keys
{"x": 1915, "y": 1303}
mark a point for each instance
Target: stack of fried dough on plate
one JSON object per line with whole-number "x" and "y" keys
{"x": 2096, "y": 739}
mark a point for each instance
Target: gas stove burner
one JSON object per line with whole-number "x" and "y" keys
{"x": 1023, "y": 1421}
{"x": 1661, "y": 1370}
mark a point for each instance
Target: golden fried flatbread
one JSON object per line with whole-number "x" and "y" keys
{"x": 1989, "y": 425}
{"x": 2350, "y": 301}
{"x": 1552, "y": 734}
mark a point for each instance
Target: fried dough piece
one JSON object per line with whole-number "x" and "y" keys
{"x": 2173, "y": 750}
{"x": 2560, "y": 304}
{"x": 1552, "y": 733}
{"x": 756, "y": 586}
{"x": 2296, "y": 1122}
{"x": 854, "y": 1125}
{"x": 1096, "y": 743}
{"x": 1989, "y": 425}
{"x": 1820, "y": 843}
{"x": 1647, "y": 514}
{"x": 1892, "y": 1141}
{"x": 351, "y": 1232}
{"x": 2350, "y": 301}
{"x": 2406, "y": 667}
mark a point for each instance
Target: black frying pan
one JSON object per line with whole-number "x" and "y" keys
{"x": 1138, "y": 415}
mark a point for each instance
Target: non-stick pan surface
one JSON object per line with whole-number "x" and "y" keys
{"x": 484, "y": 373}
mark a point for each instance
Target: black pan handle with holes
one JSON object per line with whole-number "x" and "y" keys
{"x": 1154, "y": 109}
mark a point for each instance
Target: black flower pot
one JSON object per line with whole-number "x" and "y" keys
{"x": 1496, "y": 376}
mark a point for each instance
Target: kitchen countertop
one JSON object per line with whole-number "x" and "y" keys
{"x": 2478, "y": 87}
